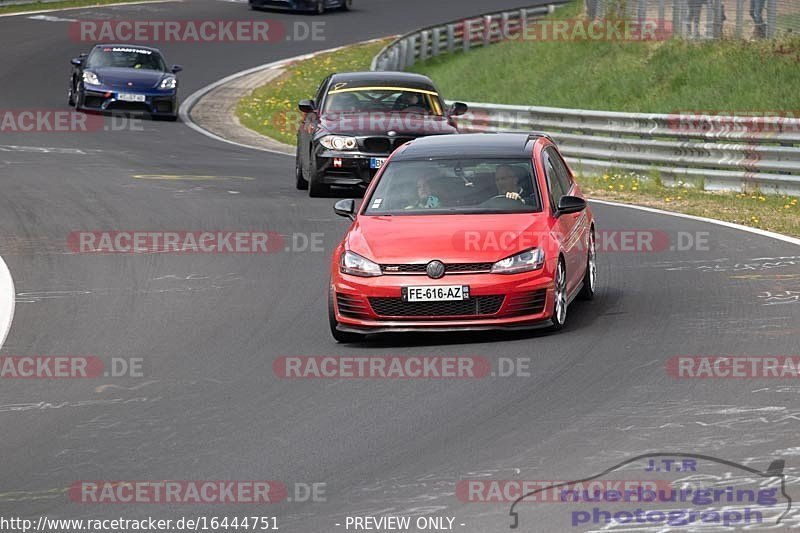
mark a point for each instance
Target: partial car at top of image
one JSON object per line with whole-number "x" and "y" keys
{"x": 124, "y": 78}
{"x": 357, "y": 119}
{"x": 464, "y": 232}
{"x": 313, "y": 6}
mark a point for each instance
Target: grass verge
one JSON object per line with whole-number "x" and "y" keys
{"x": 41, "y": 6}
{"x": 271, "y": 110}
{"x": 637, "y": 76}
{"x": 772, "y": 212}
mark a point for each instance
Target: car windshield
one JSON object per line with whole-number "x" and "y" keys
{"x": 114, "y": 56}
{"x": 386, "y": 100}
{"x": 455, "y": 186}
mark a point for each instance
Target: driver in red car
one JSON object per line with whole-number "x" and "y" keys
{"x": 508, "y": 183}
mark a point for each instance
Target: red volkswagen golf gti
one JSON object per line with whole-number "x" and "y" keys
{"x": 464, "y": 232}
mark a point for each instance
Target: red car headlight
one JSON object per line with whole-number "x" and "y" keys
{"x": 526, "y": 261}
{"x": 354, "y": 264}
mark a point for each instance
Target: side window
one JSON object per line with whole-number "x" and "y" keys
{"x": 321, "y": 91}
{"x": 564, "y": 179}
{"x": 554, "y": 189}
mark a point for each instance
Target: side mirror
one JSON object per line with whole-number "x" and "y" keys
{"x": 176, "y": 68}
{"x": 458, "y": 109}
{"x": 77, "y": 61}
{"x": 346, "y": 208}
{"x": 571, "y": 204}
{"x": 307, "y": 106}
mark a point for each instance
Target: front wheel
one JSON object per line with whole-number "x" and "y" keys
{"x": 320, "y": 7}
{"x": 299, "y": 179}
{"x": 560, "y": 297}
{"x": 590, "y": 277}
{"x": 344, "y": 337}
{"x": 71, "y": 94}
{"x": 347, "y": 5}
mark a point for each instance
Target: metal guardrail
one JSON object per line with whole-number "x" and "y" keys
{"x": 4, "y": 3}
{"x": 713, "y": 151}
{"x": 461, "y": 35}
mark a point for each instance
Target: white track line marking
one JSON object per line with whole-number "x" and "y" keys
{"x": 764, "y": 233}
{"x": 51, "y": 10}
{"x": 189, "y": 103}
{"x": 7, "y": 298}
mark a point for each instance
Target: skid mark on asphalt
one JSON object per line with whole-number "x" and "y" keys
{"x": 188, "y": 177}
{"x": 726, "y": 265}
{"x": 215, "y": 282}
{"x": 43, "y": 406}
{"x": 46, "y": 150}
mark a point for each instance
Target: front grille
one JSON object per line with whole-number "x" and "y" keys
{"x": 396, "y": 307}
{"x": 527, "y": 303}
{"x": 378, "y": 145}
{"x": 128, "y": 106}
{"x": 452, "y": 268}
{"x": 351, "y": 306}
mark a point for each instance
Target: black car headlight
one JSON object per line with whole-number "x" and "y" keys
{"x": 522, "y": 262}
{"x": 339, "y": 142}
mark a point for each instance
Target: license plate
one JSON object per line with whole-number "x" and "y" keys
{"x": 436, "y": 293}
{"x": 376, "y": 162}
{"x": 130, "y": 97}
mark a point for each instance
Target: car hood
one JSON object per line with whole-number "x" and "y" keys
{"x": 404, "y": 239}
{"x": 128, "y": 78}
{"x": 403, "y": 124}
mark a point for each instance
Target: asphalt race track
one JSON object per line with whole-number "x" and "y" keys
{"x": 209, "y": 327}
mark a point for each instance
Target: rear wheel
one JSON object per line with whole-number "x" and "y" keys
{"x": 590, "y": 278}
{"x": 347, "y": 5}
{"x": 560, "y": 297}
{"x": 344, "y": 337}
{"x": 299, "y": 179}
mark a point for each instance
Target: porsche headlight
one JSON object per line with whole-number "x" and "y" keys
{"x": 522, "y": 262}
{"x": 339, "y": 142}
{"x": 352, "y": 263}
{"x": 168, "y": 83}
{"x": 90, "y": 78}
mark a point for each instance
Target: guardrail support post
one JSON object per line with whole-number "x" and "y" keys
{"x": 467, "y": 35}
{"x": 423, "y": 46}
{"x": 451, "y": 38}
{"x": 772, "y": 17}
{"x": 412, "y": 51}
{"x": 437, "y": 41}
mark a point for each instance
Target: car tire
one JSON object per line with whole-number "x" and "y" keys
{"x": 590, "y": 277}
{"x": 299, "y": 179}
{"x": 320, "y": 7}
{"x": 347, "y": 5}
{"x": 559, "y": 317}
{"x": 315, "y": 188}
{"x": 344, "y": 337}
{"x": 71, "y": 94}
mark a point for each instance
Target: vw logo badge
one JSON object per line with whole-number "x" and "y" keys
{"x": 435, "y": 269}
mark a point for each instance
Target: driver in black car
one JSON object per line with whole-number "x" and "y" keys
{"x": 508, "y": 183}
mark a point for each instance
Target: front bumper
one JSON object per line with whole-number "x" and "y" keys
{"x": 374, "y": 305}
{"x": 156, "y": 103}
{"x": 289, "y": 5}
{"x": 346, "y": 168}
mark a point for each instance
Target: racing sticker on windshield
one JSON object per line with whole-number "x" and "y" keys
{"x": 129, "y": 50}
{"x": 377, "y": 203}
